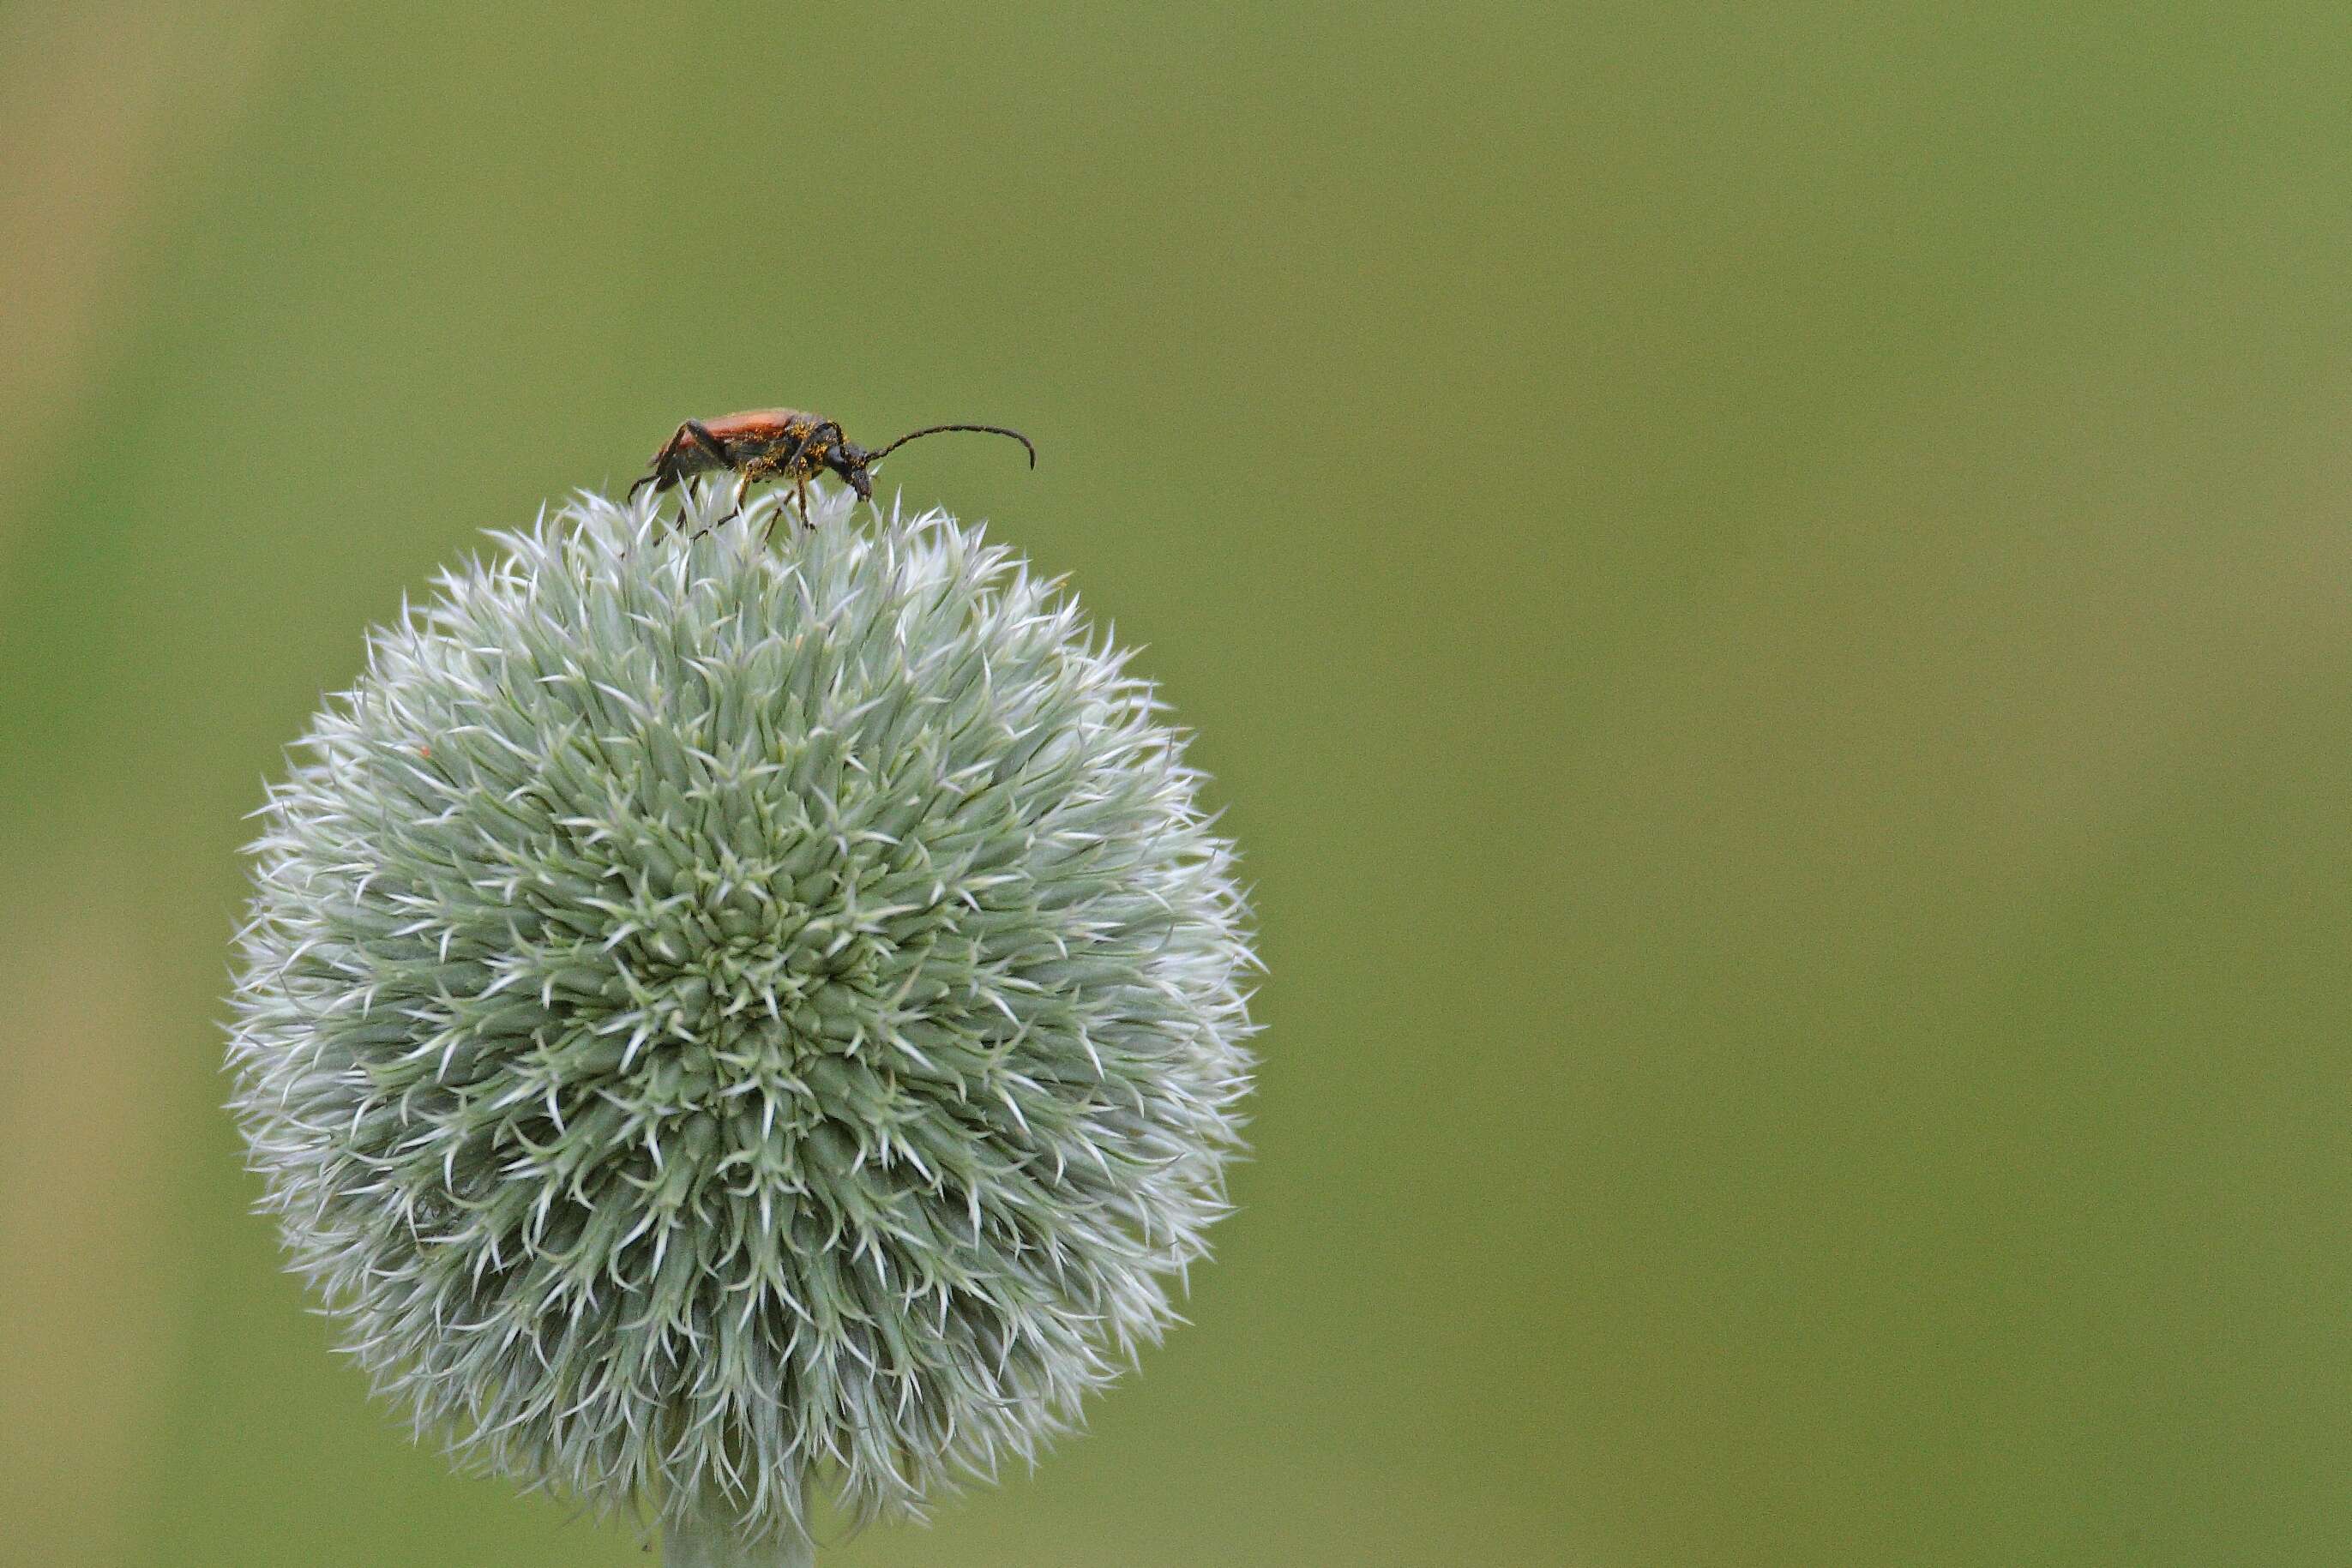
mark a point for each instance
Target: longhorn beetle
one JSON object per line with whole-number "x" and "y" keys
{"x": 783, "y": 445}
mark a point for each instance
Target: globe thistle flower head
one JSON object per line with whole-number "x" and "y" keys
{"x": 728, "y": 1023}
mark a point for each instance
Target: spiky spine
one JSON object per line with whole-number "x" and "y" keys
{"x": 721, "y": 1024}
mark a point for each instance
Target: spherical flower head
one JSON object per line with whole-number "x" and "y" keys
{"x": 728, "y": 1022}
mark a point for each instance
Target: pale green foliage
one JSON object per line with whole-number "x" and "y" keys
{"x": 724, "y": 1022}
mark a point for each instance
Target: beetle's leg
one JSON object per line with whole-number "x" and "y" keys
{"x": 716, "y": 449}
{"x": 783, "y": 503}
{"x": 662, "y": 473}
{"x": 800, "y": 495}
{"x": 810, "y": 469}
{"x": 743, "y": 477}
{"x": 742, "y": 483}
{"x": 789, "y": 466}
{"x": 790, "y": 463}
{"x": 708, "y": 442}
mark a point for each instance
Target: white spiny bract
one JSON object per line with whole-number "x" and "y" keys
{"x": 724, "y": 1024}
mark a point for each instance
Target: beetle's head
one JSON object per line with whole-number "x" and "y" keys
{"x": 849, "y": 460}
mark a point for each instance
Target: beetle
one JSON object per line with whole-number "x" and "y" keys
{"x": 783, "y": 445}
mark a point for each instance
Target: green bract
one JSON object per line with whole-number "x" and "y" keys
{"x": 723, "y": 1023}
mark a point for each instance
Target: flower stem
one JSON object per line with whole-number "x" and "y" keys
{"x": 715, "y": 1540}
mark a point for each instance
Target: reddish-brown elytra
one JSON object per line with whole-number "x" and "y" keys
{"x": 783, "y": 445}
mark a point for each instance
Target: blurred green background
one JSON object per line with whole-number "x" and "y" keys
{"x": 1766, "y": 589}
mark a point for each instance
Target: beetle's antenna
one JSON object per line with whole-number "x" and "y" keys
{"x": 935, "y": 429}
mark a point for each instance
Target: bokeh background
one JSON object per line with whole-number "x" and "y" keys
{"x": 1766, "y": 589}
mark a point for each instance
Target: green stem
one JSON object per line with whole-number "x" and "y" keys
{"x": 711, "y": 1539}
